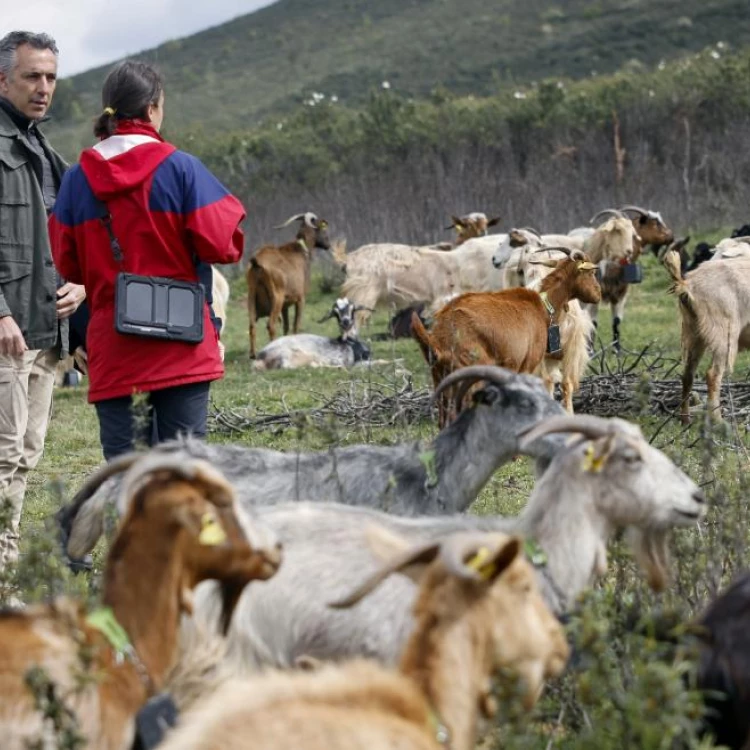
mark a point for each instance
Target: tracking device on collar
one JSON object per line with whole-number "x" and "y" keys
{"x": 553, "y": 339}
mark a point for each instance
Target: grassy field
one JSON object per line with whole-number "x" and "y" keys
{"x": 704, "y": 558}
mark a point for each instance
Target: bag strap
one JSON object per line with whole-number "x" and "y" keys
{"x": 114, "y": 243}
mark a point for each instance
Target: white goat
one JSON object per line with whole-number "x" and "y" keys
{"x": 479, "y": 616}
{"x": 715, "y": 309}
{"x": 732, "y": 247}
{"x": 312, "y": 350}
{"x": 400, "y": 275}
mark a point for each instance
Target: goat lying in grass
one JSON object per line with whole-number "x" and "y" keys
{"x": 508, "y": 328}
{"x": 608, "y": 480}
{"x": 311, "y": 350}
{"x": 441, "y": 476}
{"x": 478, "y": 614}
{"x": 714, "y": 302}
{"x": 180, "y": 526}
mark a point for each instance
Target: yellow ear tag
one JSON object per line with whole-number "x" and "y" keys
{"x": 212, "y": 534}
{"x": 479, "y": 563}
{"x": 592, "y": 462}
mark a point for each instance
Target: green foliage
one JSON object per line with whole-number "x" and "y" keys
{"x": 283, "y": 53}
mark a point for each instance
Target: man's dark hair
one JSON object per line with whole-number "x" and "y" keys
{"x": 11, "y": 42}
{"x": 129, "y": 89}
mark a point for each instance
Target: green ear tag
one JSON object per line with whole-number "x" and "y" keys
{"x": 105, "y": 622}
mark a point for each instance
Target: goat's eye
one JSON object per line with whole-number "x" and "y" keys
{"x": 631, "y": 457}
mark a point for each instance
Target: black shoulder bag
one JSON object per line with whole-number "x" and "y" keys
{"x": 153, "y": 306}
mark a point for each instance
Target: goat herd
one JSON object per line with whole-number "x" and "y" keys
{"x": 344, "y": 598}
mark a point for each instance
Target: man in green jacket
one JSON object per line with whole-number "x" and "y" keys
{"x": 33, "y": 334}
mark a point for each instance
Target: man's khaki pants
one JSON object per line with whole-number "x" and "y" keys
{"x": 26, "y": 384}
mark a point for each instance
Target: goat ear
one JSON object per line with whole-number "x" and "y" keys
{"x": 494, "y": 221}
{"x": 328, "y": 316}
{"x": 489, "y": 565}
{"x": 400, "y": 557}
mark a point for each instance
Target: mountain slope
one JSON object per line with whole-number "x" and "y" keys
{"x": 265, "y": 62}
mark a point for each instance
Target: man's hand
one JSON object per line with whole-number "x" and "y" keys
{"x": 11, "y": 338}
{"x": 69, "y": 297}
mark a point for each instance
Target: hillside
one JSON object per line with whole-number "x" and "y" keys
{"x": 265, "y": 62}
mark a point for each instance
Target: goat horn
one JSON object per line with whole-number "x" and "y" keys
{"x": 425, "y": 553}
{"x": 552, "y": 248}
{"x": 637, "y": 209}
{"x": 468, "y": 376}
{"x": 587, "y": 425}
{"x": 547, "y": 263}
{"x": 181, "y": 465}
{"x": 67, "y": 514}
{"x": 489, "y": 553}
{"x": 291, "y": 219}
{"x": 614, "y": 211}
{"x": 490, "y": 373}
{"x": 532, "y": 230}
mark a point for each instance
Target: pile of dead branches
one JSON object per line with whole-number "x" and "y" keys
{"x": 360, "y": 403}
{"x": 647, "y": 382}
{"x": 635, "y": 383}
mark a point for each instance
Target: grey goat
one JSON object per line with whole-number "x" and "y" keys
{"x": 312, "y": 350}
{"x": 408, "y": 479}
{"x": 608, "y": 479}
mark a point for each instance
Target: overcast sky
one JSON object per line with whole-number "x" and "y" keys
{"x": 95, "y": 32}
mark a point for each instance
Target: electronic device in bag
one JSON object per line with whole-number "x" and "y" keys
{"x": 159, "y": 308}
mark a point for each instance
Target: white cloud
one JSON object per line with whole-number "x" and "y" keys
{"x": 91, "y": 32}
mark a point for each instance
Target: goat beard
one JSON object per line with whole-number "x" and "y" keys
{"x": 652, "y": 553}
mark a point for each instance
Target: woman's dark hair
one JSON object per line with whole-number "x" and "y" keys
{"x": 127, "y": 92}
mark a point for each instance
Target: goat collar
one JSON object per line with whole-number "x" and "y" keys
{"x": 104, "y": 620}
{"x": 301, "y": 242}
{"x": 547, "y": 304}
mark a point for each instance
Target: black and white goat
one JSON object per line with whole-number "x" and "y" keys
{"x": 312, "y": 350}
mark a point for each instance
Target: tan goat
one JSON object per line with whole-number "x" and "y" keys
{"x": 715, "y": 309}
{"x": 278, "y": 277}
{"x": 650, "y": 229}
{"x": 478, "y": 614}
{"x": 508, "y": 328}
{"x": 180, "y": 527}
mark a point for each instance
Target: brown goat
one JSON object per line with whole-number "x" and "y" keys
{"x": 478, "y": 613}
{"x": 180, "y": 528}
{"x": 278, "y": 277}
{"x": 508, "y": 328}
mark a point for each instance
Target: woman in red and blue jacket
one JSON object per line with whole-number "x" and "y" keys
{"x": 169, "y": 215}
